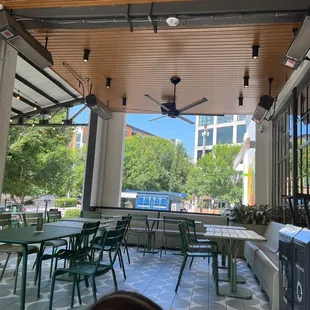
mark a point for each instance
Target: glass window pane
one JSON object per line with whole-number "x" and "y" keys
{"x": 225, "y": 119}
{"x": 241, "y": 129}
{"x": 206, "y": 120}
{"x": 208, "y": 137}
{"x": 225, "y": 135}
{"x": 241, "y": 118}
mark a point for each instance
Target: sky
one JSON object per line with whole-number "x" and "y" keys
{"x": 165, "y": 127}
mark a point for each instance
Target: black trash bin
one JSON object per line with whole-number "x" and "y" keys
{"x": 286, "y": 265}
{"x": 302, "y": 270}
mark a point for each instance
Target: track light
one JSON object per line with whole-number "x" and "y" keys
{"x": 54, "y": 128}
{"x": 124, "y": 102}
{"x": 33, "y": 124}
{"x": 240, "y": 101}
{"x": 108, "y": 82}
{"x": 246, "y": 81}
{"x": 11, "y": 121}
{"x": 86, "y": 54}
{"x": 18, "y": 96}
{"x": 35, "y": 108}
{"x": 255, "y": 50}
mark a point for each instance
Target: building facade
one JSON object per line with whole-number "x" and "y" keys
{"x": 213, "y": 130}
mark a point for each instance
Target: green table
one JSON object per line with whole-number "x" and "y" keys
{"x": 86, "y": 220}
{"x": 71, "y": 224}
{"x": 25, "y": 236}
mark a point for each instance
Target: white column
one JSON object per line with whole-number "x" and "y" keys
{"x": 8, "y": 60}
{"x": 263, "y": 164}
{"x": 108, "y": 164}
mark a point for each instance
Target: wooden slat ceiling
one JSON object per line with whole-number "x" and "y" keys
{"x": 28, "y": 4}
{"x": 210, "y": 61}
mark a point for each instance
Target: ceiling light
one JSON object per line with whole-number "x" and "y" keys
{"x": 11, "y": 121}
{"x": 172, "y": 21}
{"x": 54, "y": 128}
{"x": 86, "y": 54}
{"x": 18, "y": 96}
{"x": 300, "y": 46}
{"x": 246, "y": 81}
{"x": 124, "y": 102}
{"x": 35, "y": 108}
{"x": 240, "y": 101}
{"x": 255, "y": 50}
{"x": 108, "y": 82}
{"x": 33, "y": 124}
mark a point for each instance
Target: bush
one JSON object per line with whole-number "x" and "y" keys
{"x": 65, "y": 202}
{"x": 72, "y": 213}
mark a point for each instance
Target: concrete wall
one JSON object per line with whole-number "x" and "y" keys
{"x": 109, "y": 157}
{"x": 8, "y": 59}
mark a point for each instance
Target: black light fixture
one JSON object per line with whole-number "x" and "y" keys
{"x": 246, "y": 79}
{"x": 255, "y": 51}
{"x": 240, "y": 101}
{"x": 299, "y": 48}
{"x": 108, "y": 82}
{"x": 86, "y": 54}
{"x": 124, "y": 102}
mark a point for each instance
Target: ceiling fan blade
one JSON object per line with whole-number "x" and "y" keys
{"x": 139, "y": 110}
{"x": 155, "y": 119}
{"x": 200, "y": 101}
{"x": 186, "y": 120}
{"x": 157, "y": 102}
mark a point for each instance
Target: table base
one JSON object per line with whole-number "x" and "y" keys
{"x": 243, "y": 293}
{"x": 224, "y": 278}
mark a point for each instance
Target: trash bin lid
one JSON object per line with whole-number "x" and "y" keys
{"x": 289, "y": 231}
{"x": 303, "y": 236}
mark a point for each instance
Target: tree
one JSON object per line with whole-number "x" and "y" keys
{"x": 155, "y": 164}
{"x": 39, "y": 161}
{"x": 214, "y": 175}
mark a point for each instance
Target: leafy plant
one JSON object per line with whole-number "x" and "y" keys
{"x": 65, "y": 202}
{"x": 256, "y": 215}
{"x": 72, "y": 213}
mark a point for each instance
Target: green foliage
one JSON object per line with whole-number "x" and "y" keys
{"x": 214, "y": 175}
{"x": 155, "y": 164}
{"x": 257, "y": 215}
{"x": 65, "y": 202}
{"x": 72, "y": 213}
{"x": 40, "y": 162}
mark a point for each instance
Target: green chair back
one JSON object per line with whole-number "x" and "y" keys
{"x": 5, "y": 221}
{"x": 171, "y": 222}
{"x": 184, "y": 236}
{"x": 191, "y": 229}
{"x": 140, "y": 219}
{"x": 87, "y": 236}
{"x": 30, "y": 219}
{"x": 91, "y": 214}
{"x": 53, "y": 216}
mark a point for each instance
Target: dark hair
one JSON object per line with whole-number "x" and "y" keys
{"x": 125, "y": 300}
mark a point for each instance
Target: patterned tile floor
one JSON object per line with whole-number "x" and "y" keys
{"x": 151, "y": 276}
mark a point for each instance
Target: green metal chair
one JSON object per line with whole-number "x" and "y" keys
{"x": 112, "y": 240}
{"x": 91, "y": 214}
{"x": 191, "y": 252}
{"x": 174, "y": 222}
{"x": 128, "y": 218}
{"x": 81, "y": 251}
{"x": 30, "y": 219}
{"x": 141, "y": 231}
{"x": 9, "y": 249}
{"x": 99, "y": 240}
{"x": 197, "y": 242}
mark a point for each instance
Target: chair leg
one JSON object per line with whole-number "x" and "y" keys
{"x": 52, "y": 261}
{"x": 86, "y": 281}
{"x": 181, "y": 272}
{"x": 161, "y": 248}
{"x": 19, "y": 258}
{"x": 126, "y": 248}
{"x": 153, "y": 243}
{"x": 78, "y": 291}
{"x": 145, "y": 244}
{"x": 5, "y": 264}
{"x": 94, "y": 289}
{"x": 138, "y": 242}
{"x": 73, "y": 290}
{"x": 114, "y": 279}
{"x": 120, "y": 257}
{"x": 166, "y": 241}
{"x": 190, "y": 266}
{"x": 39, "y": 278}
{"x": 52, "y": 291}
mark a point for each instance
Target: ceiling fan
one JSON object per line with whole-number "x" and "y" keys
{"x": 169, "y": 108}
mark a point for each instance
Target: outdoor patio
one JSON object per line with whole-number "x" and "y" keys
{"x": 151, "y": 276}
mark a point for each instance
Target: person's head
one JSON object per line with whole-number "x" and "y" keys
{"x": 125, "y": 300}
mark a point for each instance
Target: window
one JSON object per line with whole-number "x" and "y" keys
{"x": 199, "y": 153}
{"x": 224, "y": 135}
{"x": 225, "y": 119}
{"x": 209, "y": 137}
{"x": 206, "y": 120}
{"x": 241, "y": 118}
{"x": 241, "y": 129}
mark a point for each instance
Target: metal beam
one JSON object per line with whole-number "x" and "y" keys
{"x": 50, "y": 125}
{"x": 57, "y": 83}
{"x": 35, "y": 88}
{"x": 78, "y": 112}
{"x": 70, "y": 103}
{"x": 17, "y": 111}
{"x": 25, "y": 100}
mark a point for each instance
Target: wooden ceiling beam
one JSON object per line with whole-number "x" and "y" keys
{"x": 31, "y": 4}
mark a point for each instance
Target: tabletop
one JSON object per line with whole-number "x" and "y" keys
{"x": 155, "y": 219}
{"x": 27, "y": 235}
{"x": 87, "y": 220}
{"x": 110, "y": 216}
{"x": 71, "y": 224}
{"x": 233, "y": 234}
{"x": 223, "y": 226}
